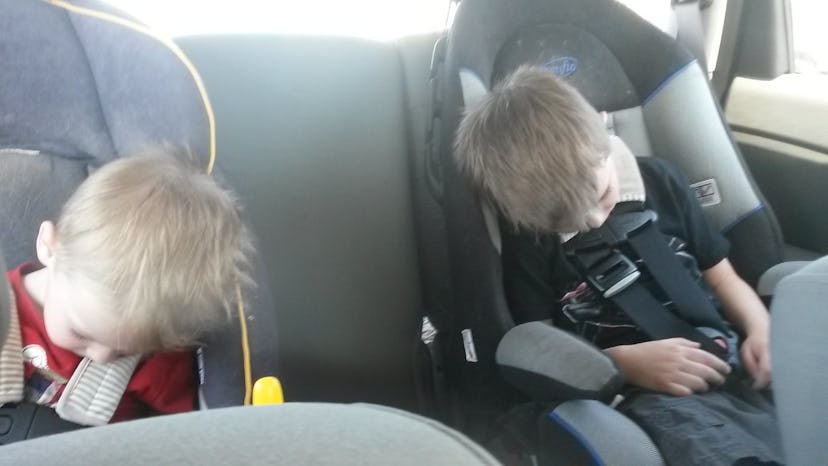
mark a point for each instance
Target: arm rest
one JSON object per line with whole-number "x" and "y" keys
{"x": 550, "y": 364}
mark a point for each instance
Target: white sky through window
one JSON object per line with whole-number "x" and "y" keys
{"x": 375, "y": 19}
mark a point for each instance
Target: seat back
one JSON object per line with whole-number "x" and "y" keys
{"x": 82, "y": 84}
{"x": 660, "y": 103}
{"x": 315, "y": 135}
{"x": 798, "y": 325}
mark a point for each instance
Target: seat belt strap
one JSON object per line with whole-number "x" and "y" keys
{"x": 659, "y": 323}
{"x": 11, "y": 357}
{"x": 94, "y": 391}
{"x": 672, "y": 277}
{"x": 611, "y": 273}
{"x": 92, "y": 394}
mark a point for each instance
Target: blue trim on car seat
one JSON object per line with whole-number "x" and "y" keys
{"x": 747, "y": 214}
{"x": 596, "y": 459}
{"x": 666, "y": 82}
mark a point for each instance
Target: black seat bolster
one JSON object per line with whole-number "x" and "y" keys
{"x": 550, "y": 364}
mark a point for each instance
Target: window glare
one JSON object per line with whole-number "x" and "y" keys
{"x": 375, "y": 19}
{"x": 809, "y": 36}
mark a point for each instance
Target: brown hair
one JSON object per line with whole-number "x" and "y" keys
{"x": 531, "y": 147}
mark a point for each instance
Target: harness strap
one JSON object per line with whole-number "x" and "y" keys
{"x": 596, "y": 255}
{"x": 11, "y": 358}
{"x": 92, "y": 394}
{"x": 672, "y": 277}
{"x": 650, "y": 315}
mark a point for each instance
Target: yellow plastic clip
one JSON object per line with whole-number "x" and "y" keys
{"x": 268, "y": 391}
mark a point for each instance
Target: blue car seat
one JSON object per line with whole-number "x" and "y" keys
{"x": 660, "y": 104}
{"x": 80, "y": 85}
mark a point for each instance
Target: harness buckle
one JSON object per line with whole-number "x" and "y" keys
{"x": 613, "y": 274}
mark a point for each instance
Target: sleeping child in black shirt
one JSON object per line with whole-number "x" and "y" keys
{"x": 541, "y": 155}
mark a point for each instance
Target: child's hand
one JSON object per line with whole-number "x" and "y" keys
{"x": 676, "y": 366}
{"x": 756, "y": 359}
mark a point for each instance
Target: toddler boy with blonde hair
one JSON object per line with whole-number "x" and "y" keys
{"x": 141, "y": 264}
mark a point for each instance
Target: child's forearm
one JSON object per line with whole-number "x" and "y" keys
{"x": 744, "y": 309}
{"x": 740, "y": 304}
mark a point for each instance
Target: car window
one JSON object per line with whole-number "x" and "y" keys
{"x": 809, "y": 36}
{"x": 374, "y": 19}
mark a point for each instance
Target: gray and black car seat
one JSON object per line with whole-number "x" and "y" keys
{"x": 82, "y": 84}
{"x": 661, "y": 105}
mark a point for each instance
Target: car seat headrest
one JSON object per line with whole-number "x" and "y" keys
{"x": 602, "y": 36}
{"x": 565, "y": 49}
{"x": 96, "y": 86}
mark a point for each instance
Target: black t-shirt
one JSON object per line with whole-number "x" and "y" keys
{"x": 537, "y": 277}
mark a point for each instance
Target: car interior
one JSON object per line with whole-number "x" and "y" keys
{"x": 379, "y": 302}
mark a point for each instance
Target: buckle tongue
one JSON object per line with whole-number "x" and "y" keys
{"x": 613, "y": 274}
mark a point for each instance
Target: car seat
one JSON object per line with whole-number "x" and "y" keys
{"x": 660, "y": 104}
{"x": 80, "y": 85}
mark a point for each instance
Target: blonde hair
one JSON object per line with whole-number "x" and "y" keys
{"x": 531, "y": 147}
{"x": 163, "y": 239}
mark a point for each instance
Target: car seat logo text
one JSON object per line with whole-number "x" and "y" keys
{"x": 563, "y": 66}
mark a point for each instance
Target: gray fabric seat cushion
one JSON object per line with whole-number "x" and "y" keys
{"x": 291, "y": 433}
{"x": 799, "y": 320}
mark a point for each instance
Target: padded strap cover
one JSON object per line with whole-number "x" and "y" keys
{"x": 91, "y": 395}
{"x": 11, "y": 357}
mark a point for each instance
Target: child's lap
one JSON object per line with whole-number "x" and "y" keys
{"x": 714, "y": 428}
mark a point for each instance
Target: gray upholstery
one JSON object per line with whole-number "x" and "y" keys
{"x": 5, "y": 308}
{"x": 698, "y": 142}
{"x": 771, "y": 278}
{"x": 629, "y": 125}
{"x": 541, "y": 357}
{"x": 312, "y": 132}
{"x": 53, "y": 130}
{"x": 292, "y": 433}
{"x": 613, "y": 437}
{"x": 799, "y": 323}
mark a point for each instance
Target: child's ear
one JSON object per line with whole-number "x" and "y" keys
{"x": 45, "y": 244}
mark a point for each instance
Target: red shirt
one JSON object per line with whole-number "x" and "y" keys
{"x": 164, "y": 382}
